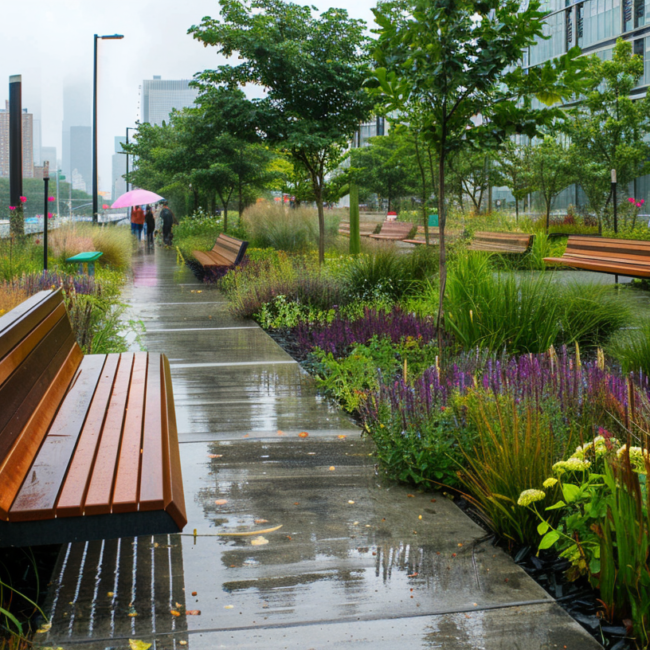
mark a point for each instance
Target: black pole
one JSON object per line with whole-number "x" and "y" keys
{"x": 16, "y": 151}
{"x": 95, "y": 188}
{"x": 46, "y": 181}
{"x": 614, "y": 197}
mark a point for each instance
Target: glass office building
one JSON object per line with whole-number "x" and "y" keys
{"x": 161, "y": 96}
{"x": 594, "y": 26}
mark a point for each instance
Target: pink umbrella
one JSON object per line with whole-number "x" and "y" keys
{"x": 136, "y": 197}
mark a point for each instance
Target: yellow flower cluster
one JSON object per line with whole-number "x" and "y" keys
{"x": 530, "y": 496}
{"x": 638, "y": 458}
{"x": 571, "y": 465}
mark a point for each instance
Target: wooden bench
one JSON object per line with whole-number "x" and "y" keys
{"x": 434, "y": 236}
{"x": 88, "y": 444}
{"x": 394, "y": 231}
{"x": 615, "y": 256}
{"x": 501, "y": 242}
{"x": 365, "y": 229}
{"x": 227, "y": 251}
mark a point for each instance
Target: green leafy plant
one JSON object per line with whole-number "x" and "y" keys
{"x": 632, "y": 349}
{"x": 514, "y": 451}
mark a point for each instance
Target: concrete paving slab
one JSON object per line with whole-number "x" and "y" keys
{"x": 547, "y": 628}
{"x": 337, "y": 558}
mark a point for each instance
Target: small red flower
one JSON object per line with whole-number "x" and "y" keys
{"x": 12, "y": 207}
{"x": 23, "y": 199}
{"x": 51, "y": 199}
{"x": 631, "y": 200}
{"x": 49, "y": 215}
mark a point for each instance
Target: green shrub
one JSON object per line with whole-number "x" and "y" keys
{"x": 499, "y": 311}
{"x": 513, "y": 452}
{"x": 271, "y": 225}
{"x": 590, "y": 313}
{"x": 632, "y": 349}
{"x": 19, "y": 256}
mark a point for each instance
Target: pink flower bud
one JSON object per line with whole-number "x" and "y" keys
{"x": 642, "y": 201}
{"x": 12, "y": 207}
{"x": 50, "y": 199}
{"x": 23, "y": 199}
{"x": 638, "y": 205}
{"x": 631, "y": 200}
{"x": 49, "y": 215}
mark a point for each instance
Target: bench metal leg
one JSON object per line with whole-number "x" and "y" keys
{"x": 91, "y": 268}
{"x": 81, "y": 269}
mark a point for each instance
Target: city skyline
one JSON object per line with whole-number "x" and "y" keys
{"x": 61, "y": 52}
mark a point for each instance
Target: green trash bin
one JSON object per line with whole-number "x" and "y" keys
{"x": 85, "y": 258}
{"x": 433, "y": 220}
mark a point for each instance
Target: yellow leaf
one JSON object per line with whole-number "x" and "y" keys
{"x": 250, "y": 532}
{"x": 44, "y": 628}
{"x": 174, "y": 612}
{"x": 138, "y": 645}
{"x": 221, "y": 502}
{"x": 259, "y": 541}
{"x": 228, "y": 606}
{"x": 303, "y": 434}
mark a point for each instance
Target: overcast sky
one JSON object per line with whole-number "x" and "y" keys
{"x": 51, "y": 42}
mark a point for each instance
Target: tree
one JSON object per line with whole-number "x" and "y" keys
{"x": 516, "y": 171}
{"x": 459, "y": 59}
{"x": 476, "y": 173}
{"x": 552, "y": 170}
{"x": 311, "y": 68}
{"x": 382, "y": 167}
{"x": 609, "y": 128}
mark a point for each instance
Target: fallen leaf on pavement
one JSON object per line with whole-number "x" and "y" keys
{"x": 413, "y": 575}
{"x": 138, "y": 645}
{"x": 44, "y": 628}
{"x": 182, "y": 642}
{"x": 215, "y": 455}
{"x": 261, "y": 521}
{"x": 280, "y": 433}
{"x": 194, "y": 593}
{"x": 228, "y": 606}
{"x": 193, "y": 612}
{"x": 303, "y": 434}
{"x": 351, "y": 502}
{"x": 221, "y": 502}
{"x": 342, "y": 437}
{"x": 259, "y": 541}
{"x": 332, "y": 468}
{"x": 251, "y": 532}
{"x": 175, "y": 612}
{"x": 411, "y": 496}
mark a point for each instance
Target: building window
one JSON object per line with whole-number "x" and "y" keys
{"x": 639, "y": 13}
{"x": 569, "y": 29}
{"x": 580, "y": 23}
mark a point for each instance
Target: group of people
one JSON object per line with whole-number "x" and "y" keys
{"x": 142, "y": 216}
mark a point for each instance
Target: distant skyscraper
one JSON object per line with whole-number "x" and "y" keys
{"x": 118, "y": 185}
{"x": 28, "y": 150}
{"x": 37, "y": 141}
{"x": 160, "y": 97}
{"x": 81, "y": 157}
{"x": 49, "y": 154}
{"x": 76, "y": 112}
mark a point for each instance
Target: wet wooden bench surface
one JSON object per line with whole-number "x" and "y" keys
{"x": 227, "y": 251}
{"x": 88, "y": 444}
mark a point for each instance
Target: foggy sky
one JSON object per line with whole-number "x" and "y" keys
{"x": 51, "y": 44}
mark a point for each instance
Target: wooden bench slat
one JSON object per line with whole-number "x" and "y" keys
{"x": 16, "y": 464}
{"x": 501, "y": 242}
{"x": 38, "y": 495}
{"x": 98, "y": 499}
{"x": 16, "y": 356}
{"x": 603, "y": 267}
{"x": 73, "y": 494}
{"x": 24, "y": 389}
{"x": 227, "y": 251}
{"x": 152, "y": 494}
{"x": 125, "y": 493}
{"x": 17, "y": 323}
{"x": 174, "y": 497}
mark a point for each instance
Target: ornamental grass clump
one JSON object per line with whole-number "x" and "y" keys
{"x": 632, "y": 349}
{"x": 514, "y": 448}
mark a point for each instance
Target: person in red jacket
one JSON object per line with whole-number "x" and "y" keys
{"x": 137, "y": 221}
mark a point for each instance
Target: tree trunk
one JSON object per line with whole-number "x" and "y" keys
{"x": 241, "y": 206}
{"x": 196, "y": 199}
{"x": 548, "y": 216}
{"x": 321, "y": 226}
{"x": 516, "y": 210}
{"x": 442, "y": 219}
{"x": 355, "y": 239}
{"x": 423, "y": 176}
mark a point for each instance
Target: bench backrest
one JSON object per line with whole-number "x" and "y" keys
{"x": 231, "y": 248}
{"x": 624, "y": 250}
{"x": 396, "y": 228}
{"x": 39, "y": 357}
{"x": 344, "y": 227}
{"x": 513, "y": 238}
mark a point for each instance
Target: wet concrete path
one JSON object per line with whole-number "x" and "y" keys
{"x": 356, "y": 563}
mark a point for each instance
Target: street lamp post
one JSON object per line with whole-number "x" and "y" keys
{"x": 95, "y": 184}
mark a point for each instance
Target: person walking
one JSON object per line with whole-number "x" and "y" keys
{"x": 150, "y": 222}
{"x": 137, "y": 221}
{"x": 168, "y": 220}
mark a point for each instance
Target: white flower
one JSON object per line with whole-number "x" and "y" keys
{"x": 530, "y": 496}
{"x": 572, "y": 465}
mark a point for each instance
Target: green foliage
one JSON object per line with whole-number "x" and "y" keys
{"x": 516, "y": 170}
{"x": 632, "y": 349}
{"x": 272, "y": 225}
{"x": 499, "y": 311}
{"x": 527, "y": 313}
{"x": 197, "y": 232}
{"x": 609, "y": 128}
{"x": 19, "y": 256}
{"x": 33, "y": 189}
{"x": 310, "y": 68}
{"x": 552, "y": 170}
{"x": 512, "y": 452}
